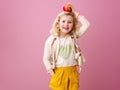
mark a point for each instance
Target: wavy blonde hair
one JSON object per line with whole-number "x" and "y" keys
{"x": 55, "y": 30}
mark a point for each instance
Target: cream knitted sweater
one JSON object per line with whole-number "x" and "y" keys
{"x": 51, "y": 51}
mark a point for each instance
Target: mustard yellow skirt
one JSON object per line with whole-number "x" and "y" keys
{"x": 65, "y": 78}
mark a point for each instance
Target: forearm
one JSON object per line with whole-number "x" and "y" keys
{"x": 47, "y": 56}
{"x": 84, "y": 24}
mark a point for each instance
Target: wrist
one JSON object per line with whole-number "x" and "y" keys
{"x": 77, "y": 15}
{"x": 80, "y": 66}
{"x": 50, "y": 71}
{"x": 80, "y": 17}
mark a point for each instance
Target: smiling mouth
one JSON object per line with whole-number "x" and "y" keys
{"x": 66, "y": 28}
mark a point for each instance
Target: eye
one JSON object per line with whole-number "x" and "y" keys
{"x": 69, "y": 21}
{"x": 63, "y": 21}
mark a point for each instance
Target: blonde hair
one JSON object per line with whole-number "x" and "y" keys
{"x": 55, "y": 30}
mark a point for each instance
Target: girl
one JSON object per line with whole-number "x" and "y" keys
{"x": 62, "y": 55}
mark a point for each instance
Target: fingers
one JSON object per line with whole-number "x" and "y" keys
{"x": 51, "y": 72}
{"x": 80, "y": 69}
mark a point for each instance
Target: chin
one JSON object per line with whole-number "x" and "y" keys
{"x": 65, "y": 32}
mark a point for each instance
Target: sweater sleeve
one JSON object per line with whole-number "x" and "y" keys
{"x": 85, "y": 25}
{"x": 79, "y": 55}
{"x": 47, "y": 53}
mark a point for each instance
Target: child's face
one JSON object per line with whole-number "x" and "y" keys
{"x": 66, "y": 24}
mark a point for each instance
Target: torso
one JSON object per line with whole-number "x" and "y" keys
{"x": 66, "y": 52}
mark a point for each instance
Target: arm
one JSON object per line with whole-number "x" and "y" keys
{"x": 85, "y": 25}
{"x": 47, "y": 55}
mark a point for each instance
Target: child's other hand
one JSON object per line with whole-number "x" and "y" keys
{"x": 79, "y": 68}
{"x": 51, "y": 72}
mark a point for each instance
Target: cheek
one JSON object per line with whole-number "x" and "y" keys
{"x": 71, "y": 26}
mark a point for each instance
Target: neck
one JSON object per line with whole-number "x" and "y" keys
{"x": 63, "y": 35}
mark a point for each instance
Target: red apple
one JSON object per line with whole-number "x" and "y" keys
{"x": 67, "y": 8}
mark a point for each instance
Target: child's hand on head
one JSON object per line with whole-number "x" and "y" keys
{"x": 69, "y": 8}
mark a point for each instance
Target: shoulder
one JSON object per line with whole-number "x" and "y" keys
{"x": 74, "y": 38}
{"x": 50, "y": 39}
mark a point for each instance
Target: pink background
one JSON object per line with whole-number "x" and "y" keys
{"x": 24, "y": 27}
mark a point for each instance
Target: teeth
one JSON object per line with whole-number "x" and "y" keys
{"x": 65, "y": 28}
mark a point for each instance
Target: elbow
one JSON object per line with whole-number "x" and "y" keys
{"x": 85, "y": 23}
{"x": 88, "y": 24}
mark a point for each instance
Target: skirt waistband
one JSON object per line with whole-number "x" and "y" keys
{"x": 66, "y": 68}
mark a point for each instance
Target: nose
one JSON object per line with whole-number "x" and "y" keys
{"x": 66, "y": 23}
